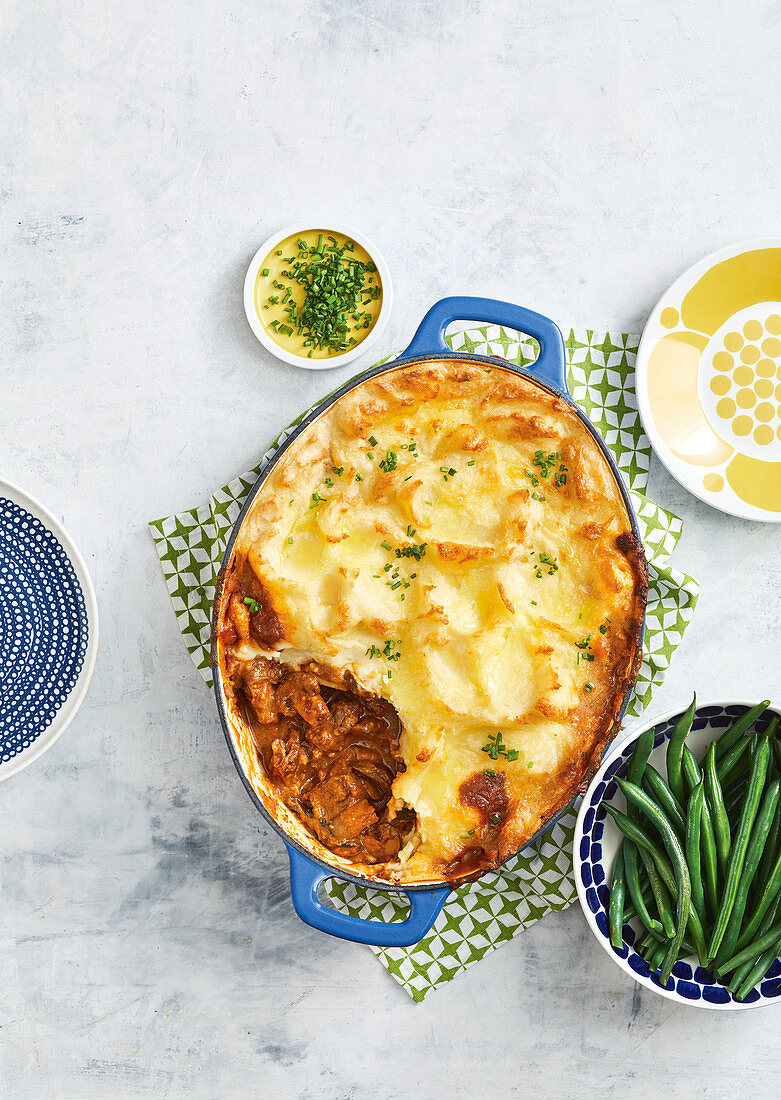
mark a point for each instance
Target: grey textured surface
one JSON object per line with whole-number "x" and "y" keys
{"x": 570, "y": 157}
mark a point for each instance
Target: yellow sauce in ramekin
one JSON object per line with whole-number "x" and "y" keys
{"x": 272, "y": 282}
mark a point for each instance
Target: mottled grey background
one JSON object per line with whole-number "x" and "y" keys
{"x": 572, "y": 157}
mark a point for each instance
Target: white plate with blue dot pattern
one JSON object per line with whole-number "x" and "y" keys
{"x": 596, "y": 842}
{"x": 48, "y": 629}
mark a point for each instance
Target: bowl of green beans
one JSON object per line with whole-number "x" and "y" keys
{"x": 677, "y": 855}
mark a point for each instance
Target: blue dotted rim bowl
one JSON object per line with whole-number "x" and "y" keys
{"x": 596, "y": 842}
{"x": 48, "y": 629}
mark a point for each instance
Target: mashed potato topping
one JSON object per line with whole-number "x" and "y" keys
{"x": 449, "y": 538}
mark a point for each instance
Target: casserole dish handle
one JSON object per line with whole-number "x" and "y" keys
{"x": 549, "y": 365}
{"x": 306, "y": 876}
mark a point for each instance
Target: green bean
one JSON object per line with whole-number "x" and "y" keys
{"x": 693, "y": 775}
{"x": 693, "y": 828}
{"x": 766, "y": 898}
{"x": 758, "y": 971}
{"x": 753, "y": 950}
{"x": 638, "y": 761}
{"x": 692, "y": 772}
{"x": 733, "y": 799}
{"x": 730, "y": 760}
{"x": 739, "y": 848}
{"x": 635, "y": 833}
{"x": 643, "y": 944}
{"x": 659, "y": 790}
{"x": 718, "y": 810}
{"x": 759, "y": 835}
{"x": 710, "y": 858}
{"x": 772, "y": 848}
{"x": 634, "y": 888}
{"x": 687, "y": 947}
{"x": 740, "y": 972}
{"x": 657, "y": 958}
{"x": 616, "y": 906}
{"x": 771, "y": 734}
{"x": 660, "y": 895}
{"x": 675, "y": 851}
{"x": 728, "y": 739}
{"x": 675, "y": 750}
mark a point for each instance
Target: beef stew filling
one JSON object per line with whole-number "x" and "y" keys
{"x": 330, "y": 754}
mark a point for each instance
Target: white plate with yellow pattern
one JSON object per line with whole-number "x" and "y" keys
{"x": 709, "y": 379}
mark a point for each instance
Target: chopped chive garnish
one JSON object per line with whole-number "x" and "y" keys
{"x": 253, "y": 605}
{"x": 496, "y": 748}
{"x": 390, "y": 462}
{"x": 334, "y": 286}
{"x": 552, "y": 564}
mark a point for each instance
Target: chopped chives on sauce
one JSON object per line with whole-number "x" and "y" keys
{"x": 330, "y": 295}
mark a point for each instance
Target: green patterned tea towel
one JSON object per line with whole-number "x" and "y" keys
{"x": 480, "y": 916}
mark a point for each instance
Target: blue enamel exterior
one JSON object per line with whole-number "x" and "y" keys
{"x": 306, "y": 876}
{"x": 430, "y": 337}
{"x": 306, "y": 872}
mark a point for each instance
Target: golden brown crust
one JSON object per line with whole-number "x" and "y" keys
{"x": 465, "y": 515}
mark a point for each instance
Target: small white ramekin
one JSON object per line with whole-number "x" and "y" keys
{"x": 301, "y": 360}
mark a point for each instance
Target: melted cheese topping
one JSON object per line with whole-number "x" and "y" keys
{"x": 451, "y": 534}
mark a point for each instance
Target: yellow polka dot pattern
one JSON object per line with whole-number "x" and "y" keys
{"x": 748, "y": 384}
{"x": 763, "y": 434}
